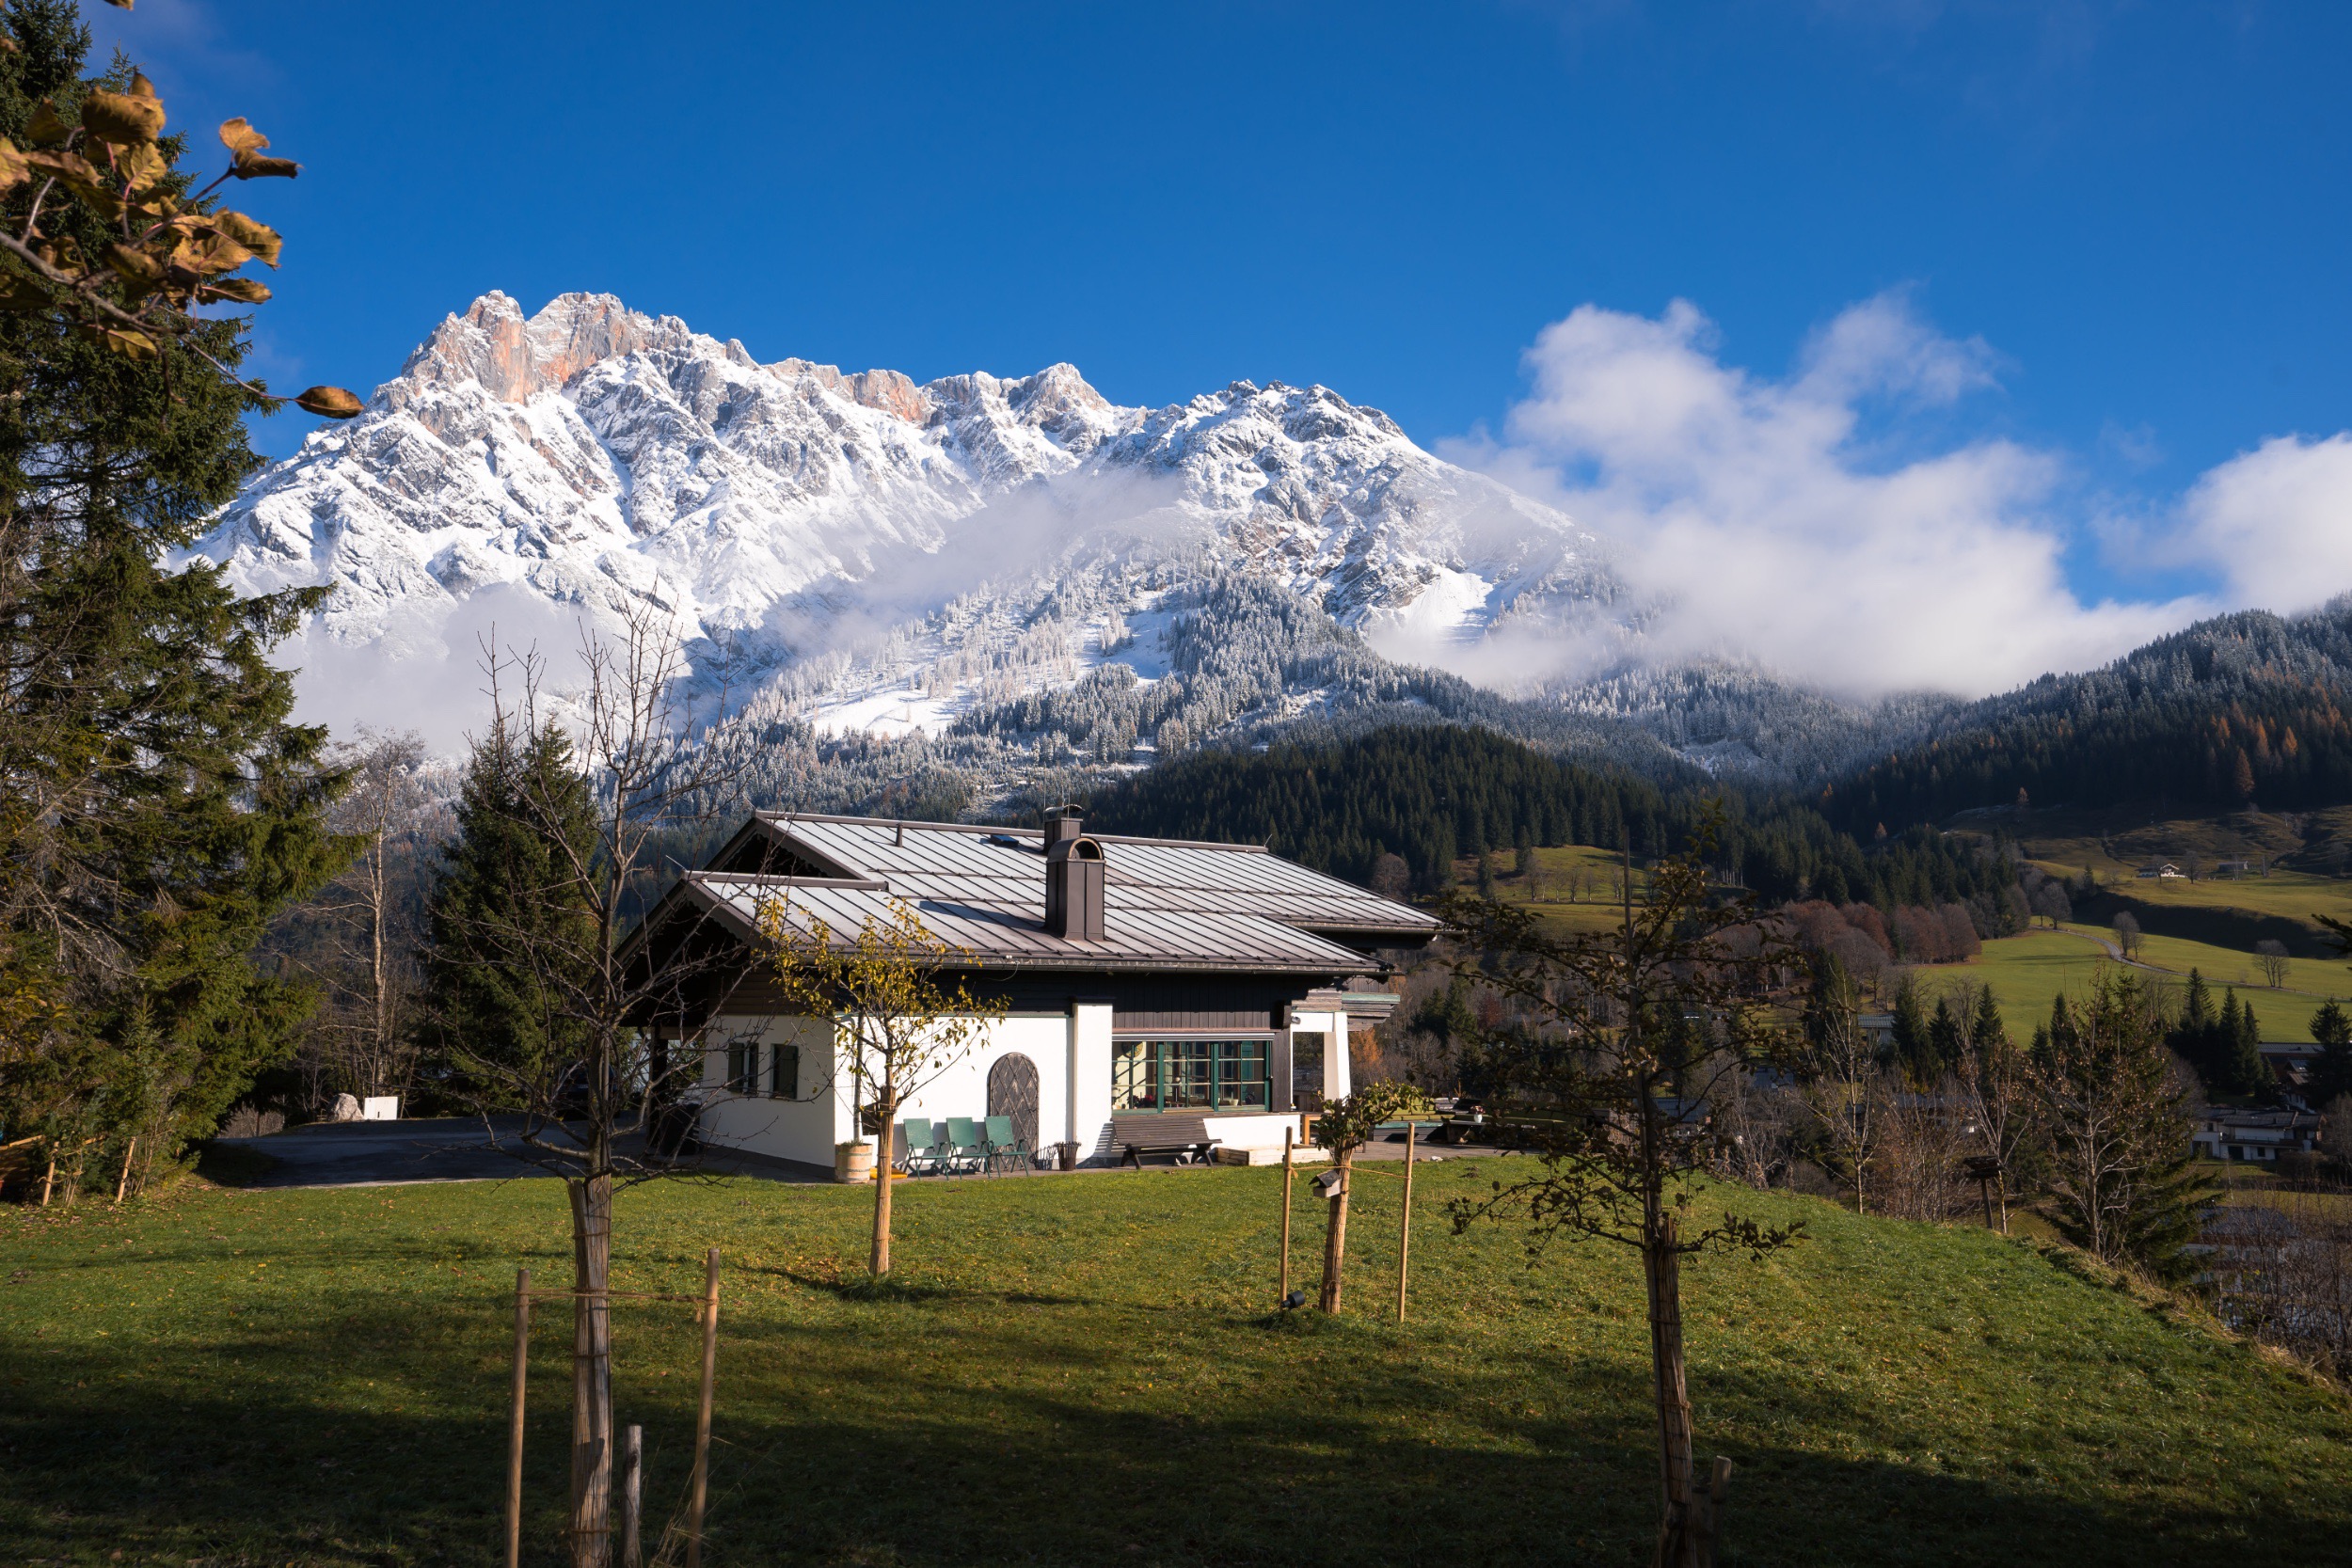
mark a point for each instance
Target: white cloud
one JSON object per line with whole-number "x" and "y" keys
{"x": 1799, "y": 521}
{"x": 2275, "y": 522}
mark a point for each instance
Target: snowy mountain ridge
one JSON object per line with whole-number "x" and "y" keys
{"x": 590, "y": 457}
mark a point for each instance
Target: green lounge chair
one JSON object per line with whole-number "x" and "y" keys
{"x": 922, "y": 1146}
{"x": 962, "y": 1146}
{"x": 1005, "y": 1144}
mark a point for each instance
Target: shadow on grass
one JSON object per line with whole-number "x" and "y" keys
{"x": 377, "y": 1436}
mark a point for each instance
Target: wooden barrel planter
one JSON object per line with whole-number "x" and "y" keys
{"x": 853, "y": 1161}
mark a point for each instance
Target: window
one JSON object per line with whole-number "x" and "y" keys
{"x": 784, "y": 1072}
{"x": 1190, "y": 1075}
{"x": 743, "y": 1067}
{"x": 1307, "y": 1070}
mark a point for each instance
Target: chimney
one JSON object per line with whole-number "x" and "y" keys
{"x": 1073, "y": 882}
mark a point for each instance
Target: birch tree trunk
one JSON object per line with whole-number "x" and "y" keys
{"x": 886, "y": 1114}
{"x": 592, "y": 1371}
{"x": 1335, "y": 1239}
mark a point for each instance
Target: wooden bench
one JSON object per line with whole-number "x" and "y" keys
{"x": 1184, "y": 1138}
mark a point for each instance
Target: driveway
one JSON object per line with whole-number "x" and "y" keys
{"x": 452, "y": 1148}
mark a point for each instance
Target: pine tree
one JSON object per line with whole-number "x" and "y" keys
{"x": 504, "y": 908}
{"x": 2247, "y": 1073}
{"x": 1485, "y": 873}
{"x": 158, "y": 806}
{"x": 2331, "y": 1074}
{"x": 1523, "y": 852}
{"x": 1914, "y": 1047}
{"x": 1947, "y": 1034}
{"x": 2122, "y": 1179}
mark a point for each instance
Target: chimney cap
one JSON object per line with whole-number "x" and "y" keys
{"x": 1062, "y": 824}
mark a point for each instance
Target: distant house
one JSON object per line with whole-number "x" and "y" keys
{"x": 2234, "y": 868}
{"x": 1150, "y": 982}
{"x": 1879, "y": 1028}
{"x": 2159, "y": 868}
{"x": 2254, "y": 1135}
{"x": 2290, "y": 1061}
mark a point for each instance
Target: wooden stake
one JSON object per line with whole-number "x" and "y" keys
{"x": 702, "y": 1419}
{"x": 1404, "y": 1225}
{"x": 124, "y": 1185}
{"x": 49, "y": 1182}
{"x": 514, "y": 1428}
{"x": 1283, "y": 1293}
{"x": 632, "y": 1497}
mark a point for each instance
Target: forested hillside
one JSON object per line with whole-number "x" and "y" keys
{"x": 1428, "y": 794}
{"x": 2243, "y": 709}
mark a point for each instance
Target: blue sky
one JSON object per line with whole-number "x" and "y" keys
{"x": 2130, "y": 219}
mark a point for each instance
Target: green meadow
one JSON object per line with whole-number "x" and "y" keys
{"x": 1087, "y": 1370}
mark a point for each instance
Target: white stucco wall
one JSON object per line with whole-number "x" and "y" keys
{"x": 1332, "y": 1026}
{"x": 1087, "y": 1047}
{"x": 808, "y": 1129}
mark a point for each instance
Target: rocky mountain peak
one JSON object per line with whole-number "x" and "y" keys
{"x": 589, "y": 456}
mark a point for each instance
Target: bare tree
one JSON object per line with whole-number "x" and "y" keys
{"x": 2272, "y": 954}
{"x": 1760, "y": 1119}
{"x": 2127, "y": 935}
{"x": 600, "y": 1066}
{"x": 1993, "y": 1082}
{"x": 1619, "y": 1038}
{"x": 375, "y": 917}
{"x": 1919, "y": 1143}
{"x": 1841, "y": 1080}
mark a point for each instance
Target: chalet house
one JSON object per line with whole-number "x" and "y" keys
{"x": 2257, "y": 1135}
{"x": 1146, "y": 978}
{"x": 2160, "y": 868}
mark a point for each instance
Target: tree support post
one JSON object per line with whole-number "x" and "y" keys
{"x": 702, "y": 1416}
{"x": 124, "y": 1185}
{"x": 633, "y": 1499}
{"x": 515, "y": 1424}
{"x": 1404, "y": 1225}
{"x": 1282, "y": 1291}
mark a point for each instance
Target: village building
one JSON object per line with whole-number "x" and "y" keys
{"x": 2254, "y": 1135}
{"x": 2164, "y": 869}
{"x": 1160, "y": 993}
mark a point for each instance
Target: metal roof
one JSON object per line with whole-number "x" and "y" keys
{"x": 1168, "y": 905}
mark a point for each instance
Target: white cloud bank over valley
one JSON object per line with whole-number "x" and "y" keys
{"x": 1815, "y": 524}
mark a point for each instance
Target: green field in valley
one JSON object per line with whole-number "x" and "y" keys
{"x": 2028, "y": 972}
{"x": 1084, "y": 1370}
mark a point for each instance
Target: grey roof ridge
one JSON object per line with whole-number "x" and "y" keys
{"x": 985, "y": 831}
{"x": 724, "y": 909}
{"x": 764, "y": 879}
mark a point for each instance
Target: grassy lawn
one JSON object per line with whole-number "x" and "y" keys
{"x": 1084, "y": 1371}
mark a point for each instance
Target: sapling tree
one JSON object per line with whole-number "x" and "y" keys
{"x": 1612, "y": 1061}
{"x": 902, "y": 1014}
{"x": 1343, "y": 1128}
{"x": 556, "y": 1013}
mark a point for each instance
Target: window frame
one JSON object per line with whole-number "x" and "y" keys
{"x": 742, "y": 1069}
{"x": 784, "y": 1084}
{"x": 1156, "y": 1044}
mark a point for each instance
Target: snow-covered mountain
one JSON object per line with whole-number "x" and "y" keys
{"x": 879, "y": 553}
